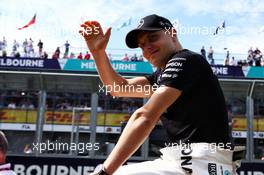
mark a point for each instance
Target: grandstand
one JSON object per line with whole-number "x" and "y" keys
{"x": 60, "y": 103}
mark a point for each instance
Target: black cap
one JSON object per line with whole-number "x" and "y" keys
{"x": 148, "y": 23}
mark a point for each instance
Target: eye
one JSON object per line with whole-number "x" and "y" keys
{"x": 153, "y": 37}
{"x": 141, "y": 45}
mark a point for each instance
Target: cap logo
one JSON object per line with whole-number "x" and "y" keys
{"x": 165, "y": 24}
{"x": 140, "y": 23}
{"x": 161, "y": 23}
{"x": 168, "y": 24}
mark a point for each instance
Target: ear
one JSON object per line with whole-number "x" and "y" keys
{"x": 174, "y": 34}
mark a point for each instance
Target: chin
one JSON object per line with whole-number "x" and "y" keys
{"x": 155, "y": 64}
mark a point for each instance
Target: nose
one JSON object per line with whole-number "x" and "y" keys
{"x": 148, "y": 48}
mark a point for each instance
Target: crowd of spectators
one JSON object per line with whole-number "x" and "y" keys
{"x": 132, "y": 58}
{"x": 18, "y": 100}
{"x": 27, "y": 49}
{"x": 66, "y": 101}
{"x": 254, "y": 57}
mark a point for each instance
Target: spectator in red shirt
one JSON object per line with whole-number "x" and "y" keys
{"x": 87, "y": 56}
{"x": 72, "y": 56}
{"x": 125, "y": 58}
{"x": 56, "y": 54}
{"x": 80, "y": 57}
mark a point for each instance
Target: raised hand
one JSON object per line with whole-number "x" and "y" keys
{"x": 94, "y": 36}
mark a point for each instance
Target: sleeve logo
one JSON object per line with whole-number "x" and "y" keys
{"x": 212, "y": 169}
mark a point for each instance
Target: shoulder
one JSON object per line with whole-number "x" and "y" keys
{"x": 185, "y": 57}
{"x": 189, "y": 62}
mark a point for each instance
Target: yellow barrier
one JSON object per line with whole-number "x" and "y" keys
{"x": 110, "y": 119}
{"x": 60, "y": 117}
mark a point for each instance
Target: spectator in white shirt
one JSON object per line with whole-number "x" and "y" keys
{"x": 232, "y": 62}
{"x": 12, "y": 105}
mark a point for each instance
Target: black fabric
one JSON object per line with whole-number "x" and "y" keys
{"x": 199, "y": 114}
